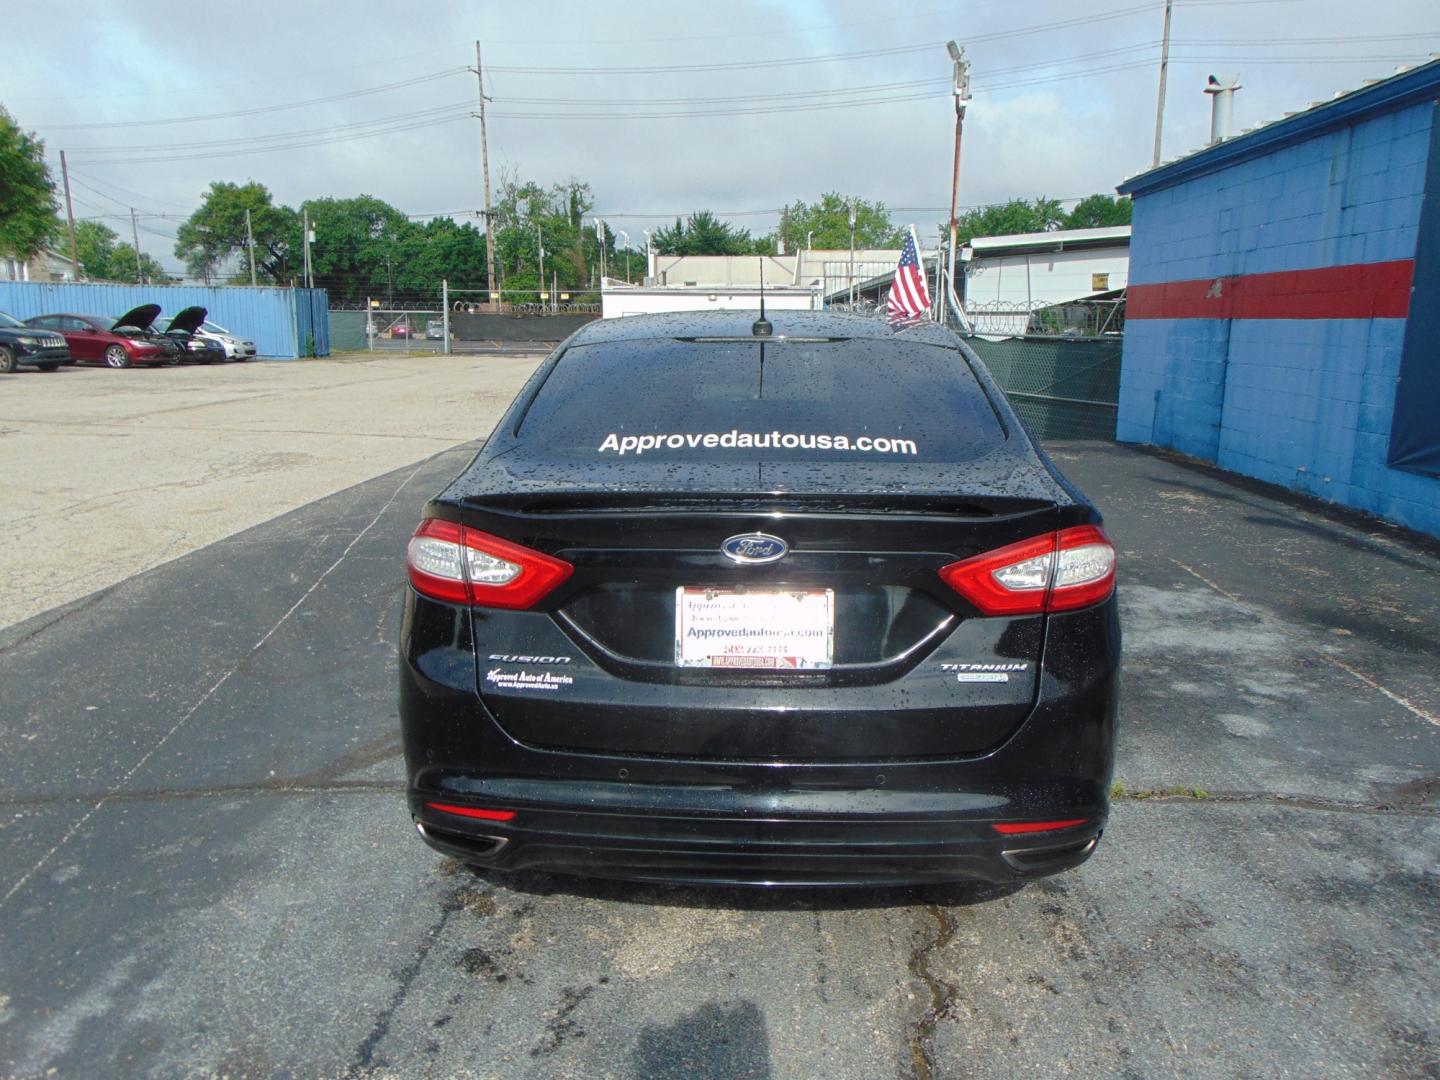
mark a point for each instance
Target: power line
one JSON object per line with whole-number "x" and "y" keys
{"x": 348, "y": 95}
{"x": 794, "y": 61}
{"x": 126, "y": 191}
{"x": 783, "y": 96}
{"x": 765, "y": 110}
{"x": 253, "y": 140}
{"x": 1343, "y": 40}
{"x": 399, "y": 129}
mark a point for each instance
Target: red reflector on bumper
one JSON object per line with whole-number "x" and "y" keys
{"x": 1012, "y": 828}
{"x": 471, "y": 811}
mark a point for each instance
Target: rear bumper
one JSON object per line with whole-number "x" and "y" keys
{"x": 860, "y": 840}
{"x": 801, "y": 822}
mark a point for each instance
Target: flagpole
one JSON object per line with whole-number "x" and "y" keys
{"x": 962, "y": 95}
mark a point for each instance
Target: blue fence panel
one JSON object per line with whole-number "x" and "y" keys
{"x": 284, "y": 323}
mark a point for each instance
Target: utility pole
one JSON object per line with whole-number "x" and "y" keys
{"x": 600, "y": 235}
{"x": 851, "y": 274}
{"x": 961, "y": 73}
{"x": 485, "y": 172}
{"x": 309, "y": 267}
{"x": 445, "y": 314}
{"x": 1164, "y": 69}
{"x": 250, "y": 244}
{"x": 135, "y": 236}
{"x": 540, "y": 247}
{"x": 70, "y": 218}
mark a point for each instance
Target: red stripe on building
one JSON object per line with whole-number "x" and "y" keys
{"x": 1359, "y": 291}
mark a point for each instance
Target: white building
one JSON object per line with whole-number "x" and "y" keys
{"x": 801, "y": 280}
{"x": 618, "y": 298}
{"x": 45, "y": 265}
{"x": 1009, "y": 277}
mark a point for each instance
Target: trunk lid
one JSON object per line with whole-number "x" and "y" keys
{"x": 904, "y": 648}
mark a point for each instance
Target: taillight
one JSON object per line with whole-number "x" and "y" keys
{"x": 1021, "y": 828}
{"x": 450, "y": 562}
{"x": 479, "y": 813}
{"x": 1059, "y": 571}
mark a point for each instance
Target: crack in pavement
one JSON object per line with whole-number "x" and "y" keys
{"x": 1281, "y": 627}
{"x": 259, "y": 645}
{"x": 1297, "y": 802}
{"x": 942, "y": 994}
{"x": 66, "y": 612}
{"x": 363, "y": 1061}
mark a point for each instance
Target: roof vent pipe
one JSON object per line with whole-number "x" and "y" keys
{"x": 1221, "y": 89}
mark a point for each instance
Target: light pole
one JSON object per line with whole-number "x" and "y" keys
{"x": 540, "y": 247}
{"x": 852, "y": 253}
{"x": 626, "y": 237}
{"x": 600, "y": 236}
{"x": 649, "y": 254}
{"x": 808, "y": 234}
{"x": 962, "y": 96}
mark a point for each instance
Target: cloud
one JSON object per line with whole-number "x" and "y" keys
{"x": 127, "y": 60}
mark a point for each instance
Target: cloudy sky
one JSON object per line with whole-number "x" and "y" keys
{"x": 663, "y": 107}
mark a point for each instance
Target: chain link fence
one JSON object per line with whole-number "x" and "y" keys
{"x": 1063, "y": 387}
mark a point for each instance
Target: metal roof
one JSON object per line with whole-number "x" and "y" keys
{"x": 1054, "y": 240}
{"x": 1408, "y": 86}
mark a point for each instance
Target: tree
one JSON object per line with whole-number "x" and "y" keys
{"x": 825, "y": 224}
{"x": 216, "y": 232}
{"x": 28, "y": 207}
{"x": 104, "y": 258}
{"x": 705, "y": 234}
{"x": 353, "y": 240}
{"x": 527, "y": 215}
{"x": 1007, "y": 219}
{"x": 94, "y": 245}
{"x": 1098, "y": 212}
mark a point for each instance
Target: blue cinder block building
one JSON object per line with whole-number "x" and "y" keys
{"x": 1284, "y": 302}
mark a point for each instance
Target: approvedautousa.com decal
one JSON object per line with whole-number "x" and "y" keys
{"x": 760, "y": 440}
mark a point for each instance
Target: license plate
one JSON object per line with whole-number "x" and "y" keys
{"x": 784, "y": 629}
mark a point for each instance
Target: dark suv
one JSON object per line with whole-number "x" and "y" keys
{"x": 21, "y": 344}
{"x": 799, "y": 603}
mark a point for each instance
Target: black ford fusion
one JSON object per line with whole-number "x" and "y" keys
{"x": 786, "y": 602}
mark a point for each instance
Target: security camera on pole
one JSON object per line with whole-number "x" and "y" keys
{"x": 962, "y": 98}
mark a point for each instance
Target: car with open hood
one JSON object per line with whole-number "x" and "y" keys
{"x": 114, "y": 342}
{"x": 183, "y": 327}
{"x": 24, "y": 344}
{"x": 785, "y": 601}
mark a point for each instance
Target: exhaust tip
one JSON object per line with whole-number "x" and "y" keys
{"x": 473, "y": 847}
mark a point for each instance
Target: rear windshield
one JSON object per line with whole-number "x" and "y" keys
{"x": 856, "y": 400}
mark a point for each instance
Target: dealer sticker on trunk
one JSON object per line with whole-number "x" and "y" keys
{"x": 783, "y": 629}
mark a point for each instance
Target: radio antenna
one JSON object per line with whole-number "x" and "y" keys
{"x": 762, "y": 327}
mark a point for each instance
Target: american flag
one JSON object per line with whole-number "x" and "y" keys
{"x": 909, "y": 297}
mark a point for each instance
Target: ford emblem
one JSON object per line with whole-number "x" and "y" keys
{"x": 755, "y": 549}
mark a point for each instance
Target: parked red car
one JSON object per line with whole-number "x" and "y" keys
{"x": 116, "y": 343}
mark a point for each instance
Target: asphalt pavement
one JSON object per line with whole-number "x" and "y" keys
{"x": 206, "y": 866}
